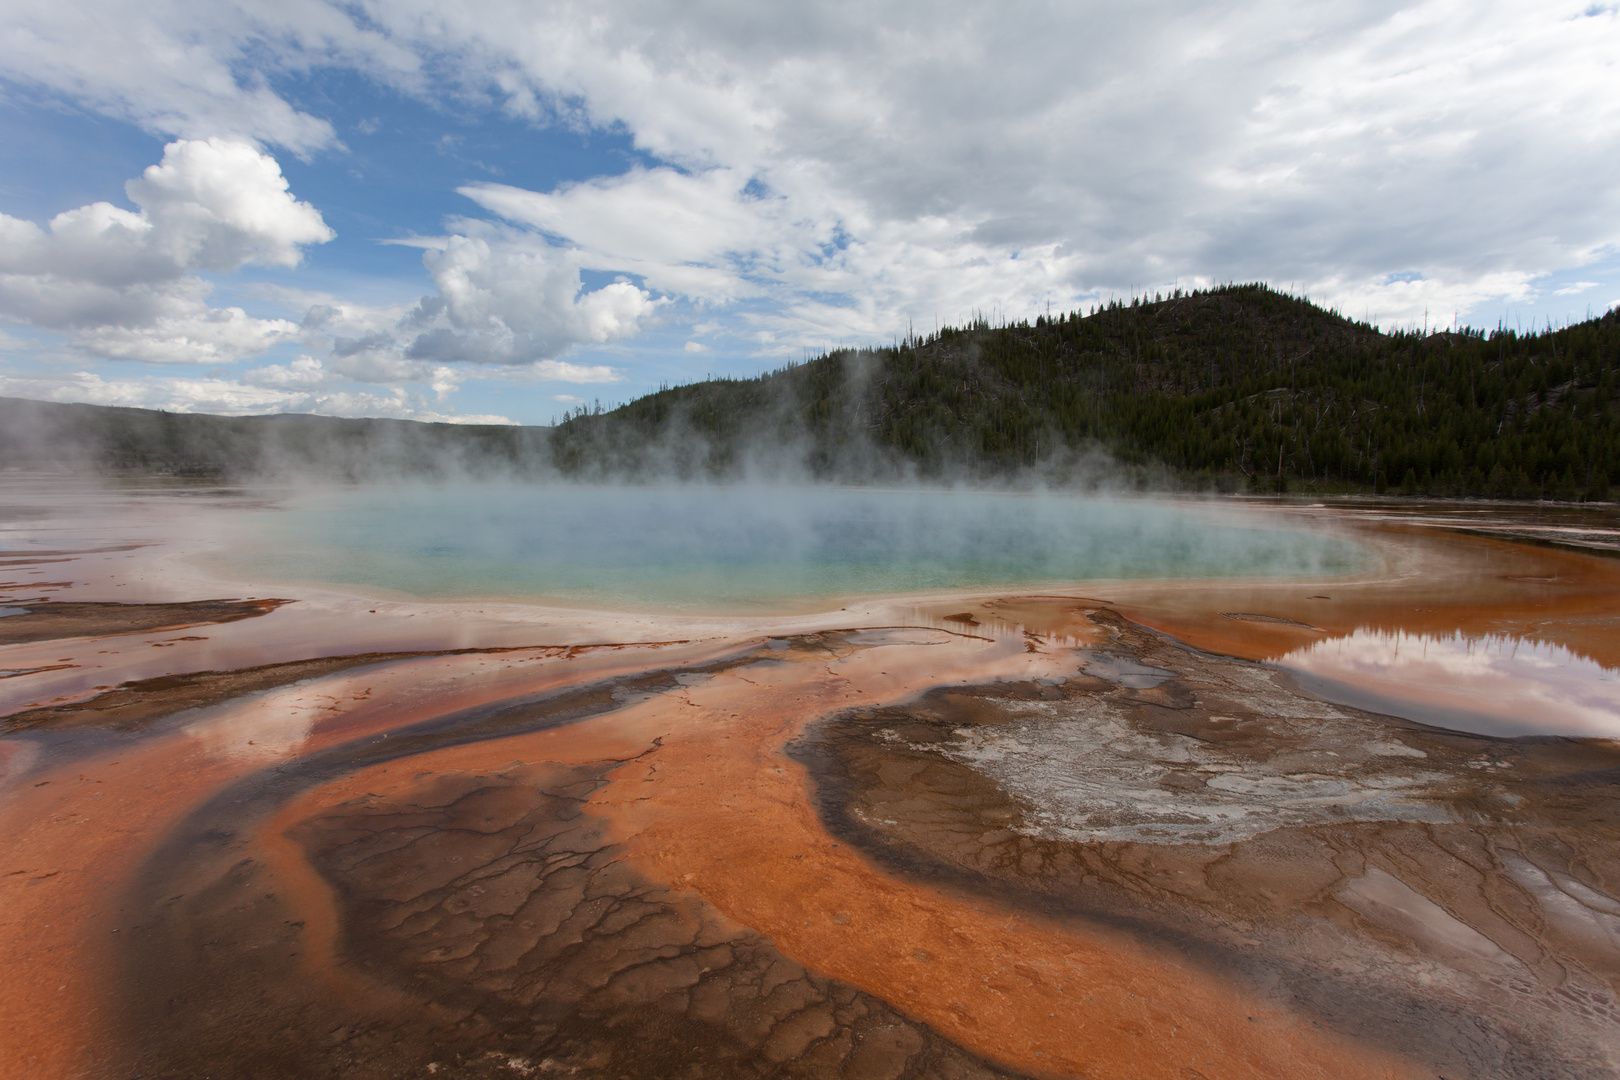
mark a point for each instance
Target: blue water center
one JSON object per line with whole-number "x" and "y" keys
{"x": 695, "y": 547}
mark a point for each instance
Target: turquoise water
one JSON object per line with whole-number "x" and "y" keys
{"x": 736, "y": 548}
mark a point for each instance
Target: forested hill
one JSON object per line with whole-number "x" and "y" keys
{"x": 1240, "y": 386}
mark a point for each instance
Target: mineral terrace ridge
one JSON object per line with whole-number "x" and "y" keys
{"x": 1098, "y": 831}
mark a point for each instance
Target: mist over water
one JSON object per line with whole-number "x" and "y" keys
{"x": 742, "y": 547}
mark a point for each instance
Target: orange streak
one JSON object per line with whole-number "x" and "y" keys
{"x": 74, "y": 836}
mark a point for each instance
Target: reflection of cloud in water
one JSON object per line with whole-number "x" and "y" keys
{"x": 1496, "y": 685}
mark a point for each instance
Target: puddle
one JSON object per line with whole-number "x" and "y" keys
{"x": 1123, "y": 671}
{"x": 904, "y": 635}
{"x": 1500, "y": 686}
{"x": 1392, "y": 903}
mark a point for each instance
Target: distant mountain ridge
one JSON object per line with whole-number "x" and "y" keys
{"x": 1240, "y": 387}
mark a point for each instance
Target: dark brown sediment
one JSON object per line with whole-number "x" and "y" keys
{"x": 135, "y": 705}
{"x": 57, "y": 619}
{"x": 562, "y": 952}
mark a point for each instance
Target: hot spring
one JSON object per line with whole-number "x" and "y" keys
{"x": 749, "y": 548}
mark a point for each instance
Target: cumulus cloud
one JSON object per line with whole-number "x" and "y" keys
{"x": 218, "y": 205}
{"x": 851, "y": 167}
{"x": 1421, "y": 300}
{"x": 124, "y": 284}
{"x": 503, "y": 299}
{"x": 517, "y": 302}
{"x": 212, "y": 336}
{"x": 209, "y": 205}
{"x": 724, "y": 237}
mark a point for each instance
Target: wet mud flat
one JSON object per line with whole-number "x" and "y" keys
{"x": 1447, "y": 896}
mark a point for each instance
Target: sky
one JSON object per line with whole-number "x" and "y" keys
{"x": 496, "y": 212}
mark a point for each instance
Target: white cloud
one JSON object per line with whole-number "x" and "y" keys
{"x": 310, "y": 374}
{"x": 213, "y": 205}
{"x": 562, "y": 371}
{"x": 124, "y": 285}
{"x": 709, "y": 235}
{"x": 430, "y": 417}
{"x": 1434, "y": 301}
{"x": 856, "y": 167}
{"x": 305, "y": 371}
{"x": 211, "y": 336}
{"x": 512, "y": 299}
{"x": 483, "y": 316}
{"x": 1576, "y": 288}
{"x": 189, "y": 68}
{"x": 718, "y": 241}
{"x": 218, "y": 205}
